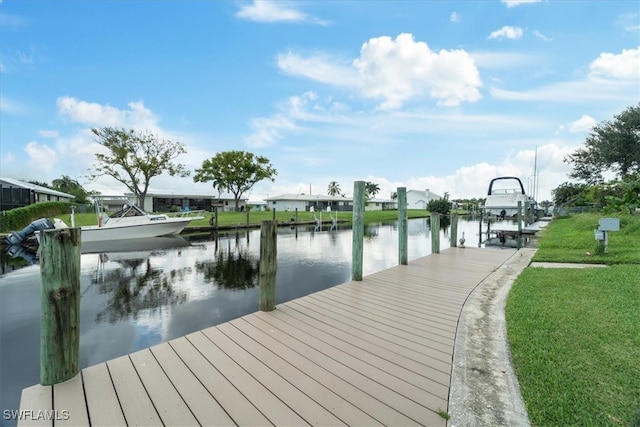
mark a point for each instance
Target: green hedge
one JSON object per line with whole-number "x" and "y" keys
{"x": 17, "y": 219}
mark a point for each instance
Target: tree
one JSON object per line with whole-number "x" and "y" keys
{"x": 133, "y": 158}
{"x": 611, "y": 146}
{"x": 334, "y": 189}
{"x": 442, "y": 206}
{"x": 235, "y": 171}
{"x": 371, "y": 188}
{"x": 569, "y": 193}
{"x": 68, "y": 185}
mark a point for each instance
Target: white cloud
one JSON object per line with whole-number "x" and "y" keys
{"x": 8, "y": 106}
{"x": 266, "y": 131}
{"x": 320, "y": 68}
{"x": 395, "y": 71}
{"x": 613, "y": 77}
{"x": 454, "y": 17}
{"x": 48, "y": 133}
{"x": 272, "y": 11}
{"x": 508, "y": 32}
{"x": 583, "y": 124}
{"x": 591, "y": 89}
{"x": 472, "y": 181}
{"x": 626, "y": 65}
{"x": 629, "y": 22}
{"x": 401, "y": 69}
{"x": 94, "y": 114}
{"x": 541, "y": 36}
{"x": 41, "y": 157}
{"x": 514, "y": 3}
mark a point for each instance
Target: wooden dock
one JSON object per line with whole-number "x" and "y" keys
{"x": 373, "y": 352}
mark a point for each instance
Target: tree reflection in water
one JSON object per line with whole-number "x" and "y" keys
{"x": 138, "y": 287}
{"x": 234, "y": 270}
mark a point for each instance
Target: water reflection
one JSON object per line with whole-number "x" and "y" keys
{"x": 230, "y": 270}
{"x": 138, "y": 288}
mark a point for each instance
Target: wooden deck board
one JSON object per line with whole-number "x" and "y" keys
{"x": 371, "y": 352}
{"x": 102, "y": 401}
{"x": 168, "y": 403}
{"x": 261, "y": 397}
{"x": 33, "y": 399}
{"x": 296, "y": 353}
{"x": 70, "y": 396}
{"x": 137, "y": 408}
{"x": 239, "y": 408}
{"x": 203, "y": 405}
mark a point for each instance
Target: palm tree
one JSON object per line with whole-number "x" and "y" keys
{"x": 371, "y": 188}
{"x": 69, "y": 185}
{"x": 66, "y": 184}
{"x": 334, "y": 189}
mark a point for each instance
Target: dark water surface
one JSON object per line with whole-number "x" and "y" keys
{"x": 147, "y": 295}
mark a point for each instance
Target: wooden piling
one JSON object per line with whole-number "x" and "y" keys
{"x": 435, "y": 233}
{"x": 403, "y": 250}
{"x": 268, "y": 259}
{"x": 480, "y": 230}
{"x": 519, "y": 219}
{"x": 358, "y": 230}
{"x": 273, "y": 215}
{"x": 59, "y": 305}
{"x": 454, "y": 229}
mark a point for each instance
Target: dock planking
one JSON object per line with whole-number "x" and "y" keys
{"x": 371, "y": 352}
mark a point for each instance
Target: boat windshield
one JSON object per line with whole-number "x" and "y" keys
{"x": 128, "y": 210}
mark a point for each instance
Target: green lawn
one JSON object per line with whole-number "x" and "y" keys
{"x": 575, "y": 333}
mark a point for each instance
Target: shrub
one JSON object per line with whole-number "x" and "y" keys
{"x": 17, "y": 219}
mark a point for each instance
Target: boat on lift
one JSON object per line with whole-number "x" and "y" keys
{"x": 503, "y": 196}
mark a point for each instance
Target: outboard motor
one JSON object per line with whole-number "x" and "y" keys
{"x": 17, "y": 237}
{"x": 19, "y": 251}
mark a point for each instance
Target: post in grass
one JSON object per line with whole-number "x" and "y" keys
{"x": 59, "y": 305}
{"x": 268, "y": 263}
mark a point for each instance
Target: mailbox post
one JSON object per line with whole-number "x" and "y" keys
{"x": 602, "y": 233}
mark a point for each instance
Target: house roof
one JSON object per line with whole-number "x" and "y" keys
{"x": 309, "y": 198}
{"x": 37, "y": 188}
{"x": 423, "y": 193}
{"x": 214, "y": 196}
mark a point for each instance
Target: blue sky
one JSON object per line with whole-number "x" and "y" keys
{"x": 444, "y": 95}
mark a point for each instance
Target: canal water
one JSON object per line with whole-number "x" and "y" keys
{"x": 139, "y": 295}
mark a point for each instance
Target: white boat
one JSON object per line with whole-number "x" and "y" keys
{"x": 131, "y": 222}
{"x": 503, "y": 196}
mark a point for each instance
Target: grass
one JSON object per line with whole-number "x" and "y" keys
{"x": 571, "y": 239}
{"x": 575, "y": 333}
{"x": 255, "y": 218}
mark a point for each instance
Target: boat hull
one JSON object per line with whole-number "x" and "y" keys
{"x": 165, "y": 227}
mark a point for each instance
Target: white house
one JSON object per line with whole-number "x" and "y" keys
{"x": 304, "y": 202}
{"x": 418, "y": 199}
{"x": 166, "y": 202}
{"x": 381, "y": 205}
{"x": 16, "y": 194}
